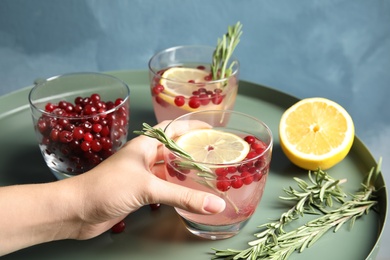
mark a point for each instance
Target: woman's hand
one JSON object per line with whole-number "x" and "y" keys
{"x": 129, "y": 180}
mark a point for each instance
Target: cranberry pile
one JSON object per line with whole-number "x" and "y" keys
{"x": 82, "y": 134}
{"x": 200, "y": 96}
{"x": 233, "y": 177}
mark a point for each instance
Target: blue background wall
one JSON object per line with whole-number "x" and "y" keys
{"x": 339, "y": 49}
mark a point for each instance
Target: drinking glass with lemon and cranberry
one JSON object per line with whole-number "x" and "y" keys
{"x": 226, "y": 153}
{"x": 181, "y": 81}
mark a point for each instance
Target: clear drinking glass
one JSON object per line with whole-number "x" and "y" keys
{"x": 80, "y": 119}
{"x": 240, "y": 184}
{"x": 173, "y": 96}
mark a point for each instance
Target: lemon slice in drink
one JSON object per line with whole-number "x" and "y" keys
{"x": 176, "y": 80}
{"x": 180, "y": 81}
{"x": 316, "y": 133}
{"x": 214, "y": 146}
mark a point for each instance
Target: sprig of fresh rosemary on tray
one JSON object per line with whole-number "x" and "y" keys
{"x": 273, "y": 242}
{"x": 223, "y": 52}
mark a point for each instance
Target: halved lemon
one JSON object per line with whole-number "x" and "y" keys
{"x": 214, "y": 146}
{"x": 176, "y": 82}
{"x": 316, "y": 133}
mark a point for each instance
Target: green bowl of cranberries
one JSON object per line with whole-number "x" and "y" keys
{"x": 80, "y": 119}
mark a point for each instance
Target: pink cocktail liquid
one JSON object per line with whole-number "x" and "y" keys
{"x": 205, "y": 95}
{"x": 241, "y": 185}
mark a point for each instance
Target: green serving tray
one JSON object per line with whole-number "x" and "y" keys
{"x": 160, "y": 234}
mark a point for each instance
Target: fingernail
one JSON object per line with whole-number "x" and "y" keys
{"x": 213, "y": 204}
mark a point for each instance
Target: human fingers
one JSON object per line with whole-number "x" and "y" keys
{"x": 185, "y": 198}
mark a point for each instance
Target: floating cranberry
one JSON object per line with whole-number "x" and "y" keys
{"x": 208, "y": 77}
{"x": 247, "y": 178}
{"x": 231, "y": 169}
{"x": 194, "y": 102}
{"x": 221, "y": 171}
{"x": 180, "y": 176}
{"x": 223, "y": 183}
{"x": 204, "y": 99}
{"x": 217, "y": 98}
{"x": 179, "y": 101}
{"x": 250, "y": 139}
{"x": 236, "y": 181}
{"x": 251, "y": 154}
{"x": 157, "y": 89}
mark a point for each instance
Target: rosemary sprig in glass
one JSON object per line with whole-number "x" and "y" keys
{"x": 274, "y": 243}
{"x": 223, "y": 52}
{"x": 207, "y": 176}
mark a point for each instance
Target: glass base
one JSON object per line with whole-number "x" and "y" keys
{"x": 214, "y": 232}
{"x": 60, "y": 175}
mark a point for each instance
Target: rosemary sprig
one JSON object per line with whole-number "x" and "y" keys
{"x": 274, "y": 243}
{"x": 160, "y": 135}
{"x": 223, "y": 52}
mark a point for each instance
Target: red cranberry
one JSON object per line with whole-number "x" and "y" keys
{"x": 97, "y": 128}
{"x": 221, "y": 171}
{"x": 236, "y": 181}
{"x": 223, "y": 183}
{"x": 217, "y": 98}
{"x": 95, "y": 97}
{"x": 194, "y": 102}
{"x": 250, "y": 139}
{"x": 65, "y": 137}
{"x": 247, "y": 178}
{"x": 96, "y": 146}
{"x": 119, "y": 227}
{"x": 204, "y": 99}
{"x": 50, "y": 107}
{"x": 78, "y": 133}
{"x": 83, "y": 143}
{"x": 157, "y": 89}
{"x": 155, "y": 206}
{"x": 179, "y": 101}
{"x": 208, "y": 77}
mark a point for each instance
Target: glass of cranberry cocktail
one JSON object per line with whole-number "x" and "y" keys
{"x": 181, "y": 81}
{"x": 80, "y": 119}
{"x": 230, "y": 157}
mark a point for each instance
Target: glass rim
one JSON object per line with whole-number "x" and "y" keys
{"x": 40, "y": 82}
{"x": 215, "y": 165}
{"x": 174, "y": 48}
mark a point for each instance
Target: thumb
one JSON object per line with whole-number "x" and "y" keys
{"x": 188, "y": 199}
